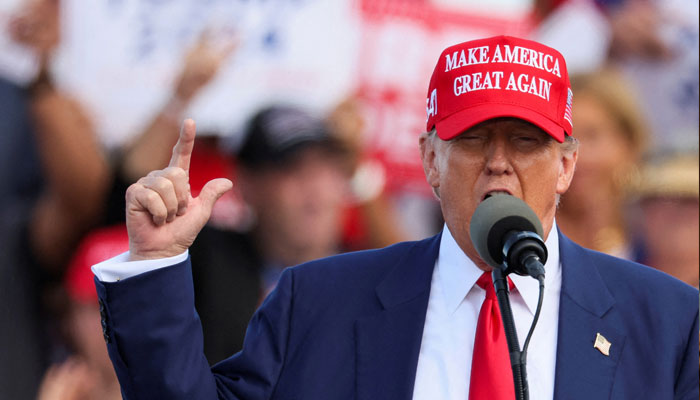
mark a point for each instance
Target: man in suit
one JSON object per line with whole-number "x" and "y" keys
{"x": 401, "y": 322}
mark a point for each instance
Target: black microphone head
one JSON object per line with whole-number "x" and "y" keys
{"x": 493, "y": 219}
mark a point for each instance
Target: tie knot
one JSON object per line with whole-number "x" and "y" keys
{"x": 485, "y": 282}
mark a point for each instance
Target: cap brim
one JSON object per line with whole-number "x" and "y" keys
{"x": 282, "y": 155}
{"x": 303, "y": 143}
{"x": 462, "y": 120}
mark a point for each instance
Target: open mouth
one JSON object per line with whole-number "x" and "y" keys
{"x": 496, "y": 193}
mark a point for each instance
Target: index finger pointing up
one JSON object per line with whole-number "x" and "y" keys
{"x": 183, "y": 148}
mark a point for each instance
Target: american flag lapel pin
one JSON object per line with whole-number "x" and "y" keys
{"x": 602, "y": 344}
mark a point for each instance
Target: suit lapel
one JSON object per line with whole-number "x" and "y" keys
{"x": 388, "y": 343}
{"x": 582, "y": 371}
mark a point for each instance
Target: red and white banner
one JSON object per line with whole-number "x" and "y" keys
{"x": 399, "y": 46}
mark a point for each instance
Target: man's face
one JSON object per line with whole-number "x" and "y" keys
{"x": 499, "y": 155}
{"x": 300, "y": 202}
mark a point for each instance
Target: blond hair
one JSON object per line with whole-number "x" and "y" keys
{"x": 612, "y": 91}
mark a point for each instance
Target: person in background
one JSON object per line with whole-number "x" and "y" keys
{"x": 54, "y": 178}
{"x": 653, "y": 44}
{"x": 21, "y": 323}
{"x": 611, "y": 130}
{"x": 79, "y": 176}
{"x": 667, "y": 225}
{"x": 73, "y": 165}
{"x": 372, "y": 220}
{"x": 87, "y": 373}
{"x": 293, "y": 175}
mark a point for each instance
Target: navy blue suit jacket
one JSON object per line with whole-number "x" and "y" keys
{"x": 350, "y": 327}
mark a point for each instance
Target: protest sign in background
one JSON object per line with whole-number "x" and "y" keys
{"x": 120, "y": 58}
{"x": 399, "y": 47}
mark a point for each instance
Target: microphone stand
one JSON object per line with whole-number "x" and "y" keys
{"x": 517, "y": 362}
{"x": 517, "y": 357}
{"x": 507, "y": 235}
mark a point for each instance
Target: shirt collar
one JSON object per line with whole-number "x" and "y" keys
{"x": 458, "y": 273}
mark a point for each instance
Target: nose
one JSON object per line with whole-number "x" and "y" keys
{"x": 497, "y": 160}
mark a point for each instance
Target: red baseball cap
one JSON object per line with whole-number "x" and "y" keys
{"x": 97, "y": 246}
{"x": 502, "y": 76}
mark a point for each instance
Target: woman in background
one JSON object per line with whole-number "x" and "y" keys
{"x": 612, "y": 133}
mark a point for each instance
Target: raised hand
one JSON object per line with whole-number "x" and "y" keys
{"x": 162, "y": 217}
{"x": 38, "y": 26}
{"x": 202, "y": 63}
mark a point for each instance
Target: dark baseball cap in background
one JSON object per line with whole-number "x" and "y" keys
{"x": 276, "y": 134}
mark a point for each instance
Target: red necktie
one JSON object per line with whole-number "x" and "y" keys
{"x": 491, "y": 376}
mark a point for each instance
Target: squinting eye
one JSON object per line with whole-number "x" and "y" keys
{"x": 527, "y": 139}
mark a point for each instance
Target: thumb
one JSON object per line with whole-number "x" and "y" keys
{"x": 213, "y": 190}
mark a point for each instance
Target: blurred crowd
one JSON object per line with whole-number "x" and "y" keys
{"x": 304, "y": 188}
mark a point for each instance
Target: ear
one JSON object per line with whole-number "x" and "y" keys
{"x": 428, "y": 155}
{"x": 566, "y": 170}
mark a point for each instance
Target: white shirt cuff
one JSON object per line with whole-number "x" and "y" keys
{"x": 119, "y": 267}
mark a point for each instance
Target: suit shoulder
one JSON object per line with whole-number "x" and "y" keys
{"x": 362, "y": 259}
{"x": 358, "y": 263}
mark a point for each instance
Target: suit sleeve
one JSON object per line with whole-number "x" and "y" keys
{"x": 687, "y": 384}
{"x": 154, "y": 339}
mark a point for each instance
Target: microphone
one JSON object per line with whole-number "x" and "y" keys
{"x": 508, "y": 235}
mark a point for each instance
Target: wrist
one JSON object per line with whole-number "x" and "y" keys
{"x": 141, "y": 255}
{"x": 42, "y": 82}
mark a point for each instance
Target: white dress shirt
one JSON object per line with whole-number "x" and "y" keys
{"x": 445, "y": 359}
{"x": 119, "y": 267}
{"x": 444, "y": 362}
